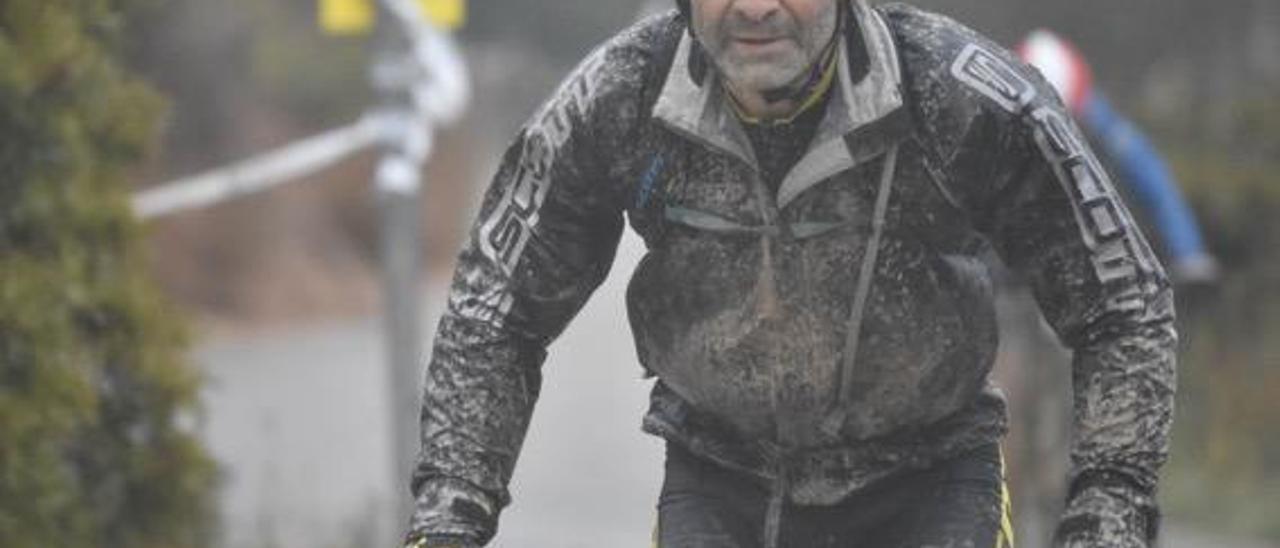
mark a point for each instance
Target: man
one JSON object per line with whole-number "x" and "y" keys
{"x": 817, "y": 182}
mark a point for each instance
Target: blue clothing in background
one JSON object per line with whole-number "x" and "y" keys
{"x": 1147, "y": 175}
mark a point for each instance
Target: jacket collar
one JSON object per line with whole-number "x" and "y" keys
{"x": 700, "y": 111}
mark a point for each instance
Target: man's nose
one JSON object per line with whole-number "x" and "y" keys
{"x": 756, "y": 10}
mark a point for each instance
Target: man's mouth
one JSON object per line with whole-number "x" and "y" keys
{"x": 758, "y": 44}
{"x": 756, "y": 40}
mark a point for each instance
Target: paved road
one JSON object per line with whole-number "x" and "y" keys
{"x": 298, "y": 419}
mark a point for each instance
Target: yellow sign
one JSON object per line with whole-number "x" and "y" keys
{"x": 446, "y": 14}
{"x": 347, "y": 17}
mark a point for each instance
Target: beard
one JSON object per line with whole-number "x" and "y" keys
{"x": 791, "y": 49}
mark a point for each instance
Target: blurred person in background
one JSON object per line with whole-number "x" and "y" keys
{"x": 1143, "y": 172}
{"x": 816, "y": 182}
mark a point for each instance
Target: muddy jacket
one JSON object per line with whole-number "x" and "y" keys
{"x": 827, "y": 336}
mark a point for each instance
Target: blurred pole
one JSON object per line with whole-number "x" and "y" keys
{"x": 421, "y": 81}
{"x": 400, "y": 256}
{"x": 397, "y": 186}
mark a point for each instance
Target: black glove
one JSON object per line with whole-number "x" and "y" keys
{"x": 1110, "y": 513}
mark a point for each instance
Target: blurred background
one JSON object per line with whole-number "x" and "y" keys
{"x": 253, "y": 364}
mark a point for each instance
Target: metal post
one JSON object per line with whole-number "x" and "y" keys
{"x": 401, "y": 267}
{"x": 421, "y": 81}
{"x": 398, "y": 186}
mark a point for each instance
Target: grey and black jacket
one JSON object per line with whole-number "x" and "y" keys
{"x": 832, "y": 334}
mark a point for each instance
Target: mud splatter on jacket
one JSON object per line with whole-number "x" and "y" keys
{"x": 832, "y": 334}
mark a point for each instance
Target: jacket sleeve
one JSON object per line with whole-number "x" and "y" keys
{"x": 1055, "y": 218}
{"x": 544, "y": 240}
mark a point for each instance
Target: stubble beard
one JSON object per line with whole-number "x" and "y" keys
{"x": 773, "y": 70}
{"x": 761, "y": 74}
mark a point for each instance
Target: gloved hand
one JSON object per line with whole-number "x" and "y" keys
{"x": 443, "y": 541}
{"x": 1112, "y": 514}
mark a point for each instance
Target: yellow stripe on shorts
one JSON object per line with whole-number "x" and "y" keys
{"x": 1004, "y": 539}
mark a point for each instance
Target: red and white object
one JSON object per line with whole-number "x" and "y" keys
{"x": 1060, "y": 63}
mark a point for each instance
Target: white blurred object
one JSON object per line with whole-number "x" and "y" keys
{"x": 433, "y": 72}
{"x": 1198, "y": 269}
{"x": 650, "y": 7}
{"x": 443, "y": 87}
{"x": 1060, "y": 63}
{"x": 288, "y": 163}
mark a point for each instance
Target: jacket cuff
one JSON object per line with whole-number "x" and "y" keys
{"x": 453, "y": 509}
{"x": 441, "y": 541}
{"x": 1143, "y": 482}
{"x": 1108, "y": 510}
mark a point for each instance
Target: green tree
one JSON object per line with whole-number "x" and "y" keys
{"x": 93, "y": 386}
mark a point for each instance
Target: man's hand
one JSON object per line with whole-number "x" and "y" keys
{"x": 1112, "y": 515}
{"x": 447, "y": 541}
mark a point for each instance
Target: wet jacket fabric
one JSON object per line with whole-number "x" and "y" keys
{"x": 832, "y": 334}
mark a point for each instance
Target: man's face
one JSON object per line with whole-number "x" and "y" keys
{"x": 761, "y": 45}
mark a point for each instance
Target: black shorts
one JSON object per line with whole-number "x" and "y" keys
{"x": 962, "y": 502}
